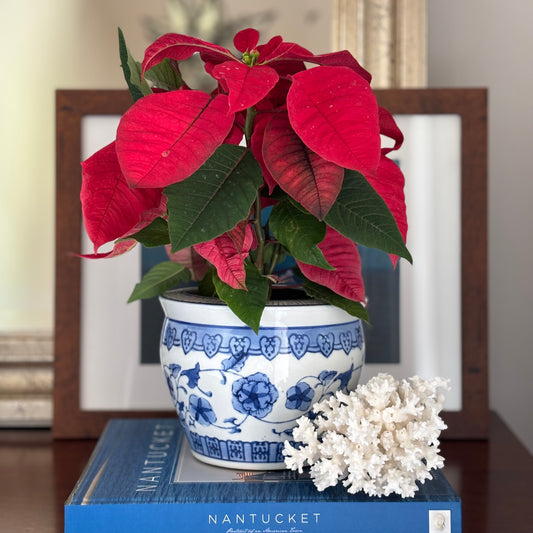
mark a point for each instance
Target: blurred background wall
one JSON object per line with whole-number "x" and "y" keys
{"x": 64, "y": 44}
{"x": 488, "y": 43}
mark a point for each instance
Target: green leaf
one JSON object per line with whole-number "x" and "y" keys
{"x": 299, "y": 232}
{"x": 248, "y": 304}
{"x": 165, "y": 75}
{"x": 327, "y": 295}
{"x": 131, "y": 70}
{"x": 214, "y": 199}
{"x": 361, "y": 215}
{"x": 159, "y": 279}
{"x": 155, "y": 234}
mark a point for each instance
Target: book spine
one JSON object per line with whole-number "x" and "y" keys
{"x": 89, "y": 466}
{"x": 281, "y": 517}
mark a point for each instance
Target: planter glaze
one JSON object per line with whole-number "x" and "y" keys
{"x": 238, "y": 394}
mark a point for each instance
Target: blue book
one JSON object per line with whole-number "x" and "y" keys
{"x": 142, "y": 478}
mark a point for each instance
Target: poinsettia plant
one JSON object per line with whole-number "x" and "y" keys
{"x": 283, "y": 157}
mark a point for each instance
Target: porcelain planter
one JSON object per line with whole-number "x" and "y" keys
{"x": 238, "y": 394}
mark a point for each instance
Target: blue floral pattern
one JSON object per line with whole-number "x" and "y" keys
{"x": 201, "y": 411}
{"x": 212, "y": 344}
{"x": 172, "y": 372}
{"x": 188, "y": 338}
{"x": 326, "y": 343}
{"x": 169, "y": 337}
{"x": 299, "y": 344}
{"x": 326, "y": 377}
{"x": 300, "y": 396}
{"x": 239, "y": 347}
{"x": 270, "y": 346}
{"x": 192, "y": 375}
{"x": 254, "y": 395}
{"x": 202, "y": 361}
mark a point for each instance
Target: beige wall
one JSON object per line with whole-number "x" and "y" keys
{"x": 490, "y": 43}
{"x": 44, "y": 45}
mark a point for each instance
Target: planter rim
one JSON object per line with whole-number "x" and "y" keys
{"x": 277, "y": 313}
{"x": 190, "y": 295}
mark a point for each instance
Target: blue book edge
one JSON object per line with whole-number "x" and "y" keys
{"x": 141, "y": 473}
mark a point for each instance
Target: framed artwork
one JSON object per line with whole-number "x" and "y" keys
{"x": 90, "y": 347}
{"x": 443, "y": 296}
{"x": 433, "y": 315}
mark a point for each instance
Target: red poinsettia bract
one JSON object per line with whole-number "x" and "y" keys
{"x": 305, "y": 120}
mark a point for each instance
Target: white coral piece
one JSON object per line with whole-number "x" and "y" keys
{"x": 380, "y": 438}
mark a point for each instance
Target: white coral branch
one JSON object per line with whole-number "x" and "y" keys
{"x": 381, "y": 439}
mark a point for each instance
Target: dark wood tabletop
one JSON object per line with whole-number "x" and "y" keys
{"x": 493, "y": 477}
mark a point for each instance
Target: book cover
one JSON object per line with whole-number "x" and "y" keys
{"x": 142, "y": 478}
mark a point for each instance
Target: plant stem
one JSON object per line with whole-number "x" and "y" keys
{"x": 258, "y": 228}
{"x": 249, "y": 124}
{"x": 274, "y": 260}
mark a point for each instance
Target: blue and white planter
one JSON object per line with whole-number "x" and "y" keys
{"x": 238, "y": 394}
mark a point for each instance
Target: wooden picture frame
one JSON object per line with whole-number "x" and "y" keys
{"x": 69, "y": 419}
{"x": 471, "y": 421}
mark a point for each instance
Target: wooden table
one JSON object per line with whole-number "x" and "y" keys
{"x": 494, "y": 479}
